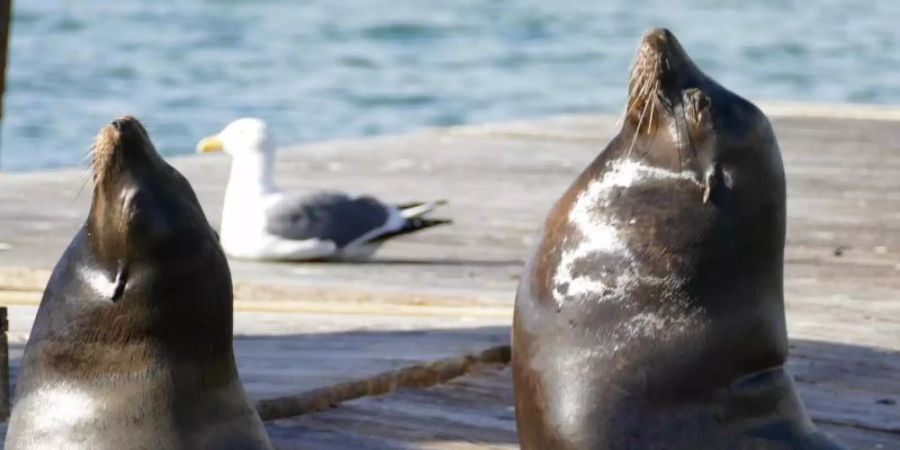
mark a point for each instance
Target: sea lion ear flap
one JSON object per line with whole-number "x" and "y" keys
{"x": 121, "y": 280}
{"x": 716, "y": 179}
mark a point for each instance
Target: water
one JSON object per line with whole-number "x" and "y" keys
{"x": 319, "y": 69}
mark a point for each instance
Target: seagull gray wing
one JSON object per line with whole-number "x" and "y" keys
{"x": 327, "y": 216}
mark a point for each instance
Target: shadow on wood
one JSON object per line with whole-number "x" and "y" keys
{"x": 851, "y": 392}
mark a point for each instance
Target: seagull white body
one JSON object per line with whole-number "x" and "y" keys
{"x": 252, "y": 197}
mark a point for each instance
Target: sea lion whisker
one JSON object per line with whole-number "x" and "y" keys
{"x": 629, "y": 103}
{"x": 638, "y": 129}
{"x": 86, "y": 177}
{"x": 650, "y": 129}
{"x": 678, "y": 142}
{"x": 87, "y": 170}
{"x": 632, "y": 91}
{"x": 655, "y": 89}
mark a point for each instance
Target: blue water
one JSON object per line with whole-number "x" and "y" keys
{"x": 320, "y": 69}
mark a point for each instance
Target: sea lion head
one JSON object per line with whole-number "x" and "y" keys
{"x": 679, "y": 221}
{"x": 145, "y": 277}
{"x": 142, "y": 208}
{"x": 722, "y": 215}
{"x": 709, "y": 130}
{"x": 714, "y": 224}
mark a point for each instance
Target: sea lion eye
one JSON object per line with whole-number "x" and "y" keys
{"x": 700, "y": 102}
{"x": 697, "y": 105}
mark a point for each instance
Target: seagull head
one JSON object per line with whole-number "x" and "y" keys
{"x": 246, "y": 136}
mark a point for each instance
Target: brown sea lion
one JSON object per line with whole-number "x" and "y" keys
{"x": 651, "y": 315}
{"x": 132, "y": 344}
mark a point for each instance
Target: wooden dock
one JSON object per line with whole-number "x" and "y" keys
{"x": 303, "y": 329}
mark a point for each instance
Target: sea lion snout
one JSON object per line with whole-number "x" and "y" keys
{"x": 656, "y": 42}
{"x": 125, "y": 123}
{"x": 131, "y": 132}
{"x": 124, "y": 134}
{"x": 661, "y": 58}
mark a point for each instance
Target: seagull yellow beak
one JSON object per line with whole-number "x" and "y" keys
{"x": 209, "y": 144}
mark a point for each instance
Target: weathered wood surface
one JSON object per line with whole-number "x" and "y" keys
{"x": 304, "y": 326}
{"x": 476, "y": 411}
{"x": 844, "y": 193}
{"x": 472, "y": 412}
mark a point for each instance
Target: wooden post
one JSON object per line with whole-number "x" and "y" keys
{"x": 4, "y": 365}
{"x": 5, "y": 19}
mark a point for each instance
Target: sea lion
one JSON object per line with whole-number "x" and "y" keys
{"x": 132, "y": 344}
{"x": 651, "y": 314}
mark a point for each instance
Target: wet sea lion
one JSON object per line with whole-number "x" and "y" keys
{"x": 651, "y": 314}
{"x": 132, "y": 344}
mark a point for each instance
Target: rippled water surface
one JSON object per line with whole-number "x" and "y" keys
{"x": 320, "y": 69}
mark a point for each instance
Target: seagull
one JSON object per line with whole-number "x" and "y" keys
{"x": 259, "y": 221}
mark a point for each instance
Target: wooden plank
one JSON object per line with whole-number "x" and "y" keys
{"x": 842, "y": 255}
{"x": 851, "y": 392}
{"x": 843, "y": 193}
{"x": 469, "y": 413}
